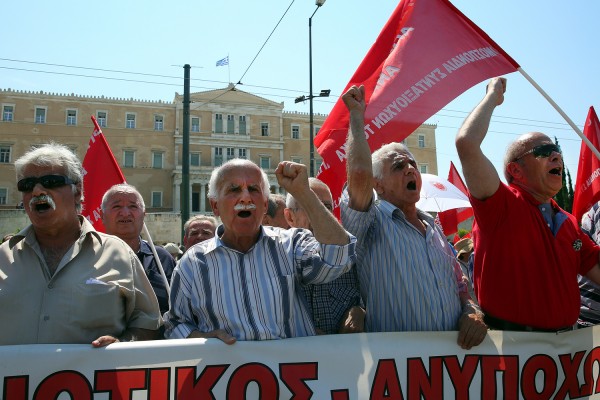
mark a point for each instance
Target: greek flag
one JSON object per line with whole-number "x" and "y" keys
{"x": 223, "y": 61}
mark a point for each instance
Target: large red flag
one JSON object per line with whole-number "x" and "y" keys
{"x": 427, "y": 54}
{"x": 451, "y": 218}
{"x": 100, "y": 172}
{"x": 587, "y": 186}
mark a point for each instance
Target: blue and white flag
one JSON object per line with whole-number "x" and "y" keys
{"x": 223, "y": 61}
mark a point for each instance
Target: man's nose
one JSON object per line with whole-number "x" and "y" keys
{"x": 39, "y": 189}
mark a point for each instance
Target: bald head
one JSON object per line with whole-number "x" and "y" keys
{"x": 524, "y": 143}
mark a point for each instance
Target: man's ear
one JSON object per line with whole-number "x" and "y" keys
{"x": 289, "y": 217}
{"x": 378, "y": 186}
{"x": 515, "y": 169}
{"x": 215, "y": 208}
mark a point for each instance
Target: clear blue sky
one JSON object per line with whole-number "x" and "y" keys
{"x": 556, "y": 42}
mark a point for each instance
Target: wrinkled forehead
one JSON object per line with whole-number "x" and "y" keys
{"x": 201, "y": 225}
{"x": 124, "y": 197}
{"x": 238, "y": 175}
{"x": 398, "y": 155}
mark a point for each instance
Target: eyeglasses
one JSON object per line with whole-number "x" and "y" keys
{"x": 47, "y": 181}
{"x": 542, "y": 151}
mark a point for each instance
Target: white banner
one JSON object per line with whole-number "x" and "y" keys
{"x": 507, "y": 365}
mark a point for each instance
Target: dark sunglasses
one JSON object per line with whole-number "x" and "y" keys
{"x": 47, "y": 181}
{"x": 544, "y": 150}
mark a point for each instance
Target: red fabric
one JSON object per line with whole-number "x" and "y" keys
{"x": 523, "y": 273}
{"x": 427, "y": 54}
{"x": 587, "y": 185}
{"x": 451, "y": 218}
{"x": 100, "y": 172}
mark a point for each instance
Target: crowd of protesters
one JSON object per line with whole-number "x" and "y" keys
{"x": 270, "y": 267}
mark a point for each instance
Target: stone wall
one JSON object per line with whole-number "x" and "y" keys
{"x": 164, "y": 227}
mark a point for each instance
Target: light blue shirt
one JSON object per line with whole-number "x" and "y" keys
{"x": 255, "y": 295}
{"x": 409, "y": 282}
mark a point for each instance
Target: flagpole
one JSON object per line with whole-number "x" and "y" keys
{"x": 158, "y": 263}
{"x": 561, "y": 112}
{"x": 229, "y": 68}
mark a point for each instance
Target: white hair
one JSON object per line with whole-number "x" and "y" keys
{"x": 217, "y": 176}
{"x": 121, "y": 188}
{"x": 380, "y": 155}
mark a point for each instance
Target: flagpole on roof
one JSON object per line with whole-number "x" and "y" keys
{"x": 228, "y": 68}
{"x": 561, "y": 112}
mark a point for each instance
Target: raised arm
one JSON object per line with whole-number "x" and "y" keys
{"x": 359, "y": 165}
{"x": 480, "y": 175}
{"x": 294, "y": 179}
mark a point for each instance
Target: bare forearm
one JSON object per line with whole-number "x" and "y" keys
{"x": 359, "y": 164}
{"x": 326, "y": 228}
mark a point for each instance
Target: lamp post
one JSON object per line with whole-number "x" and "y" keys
{"x": 319, "y": 3}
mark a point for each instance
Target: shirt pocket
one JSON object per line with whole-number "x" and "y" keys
{"x": 95, "y": 306}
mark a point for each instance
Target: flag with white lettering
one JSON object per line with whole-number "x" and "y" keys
{"x": 587, "y": 185}
{"x": 427, "y": 54}
{"x": 451, "y": 218}
{"x": 100, "y": 172}
{"x": 223, "y": 61}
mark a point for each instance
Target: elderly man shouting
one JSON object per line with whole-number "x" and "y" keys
{"x": 245, "y": 283}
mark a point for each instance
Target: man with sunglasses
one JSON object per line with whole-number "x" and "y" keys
{"x": 335, "y": 306}
{"x": 535, "y": 290}
{"x": 60, "y": 280}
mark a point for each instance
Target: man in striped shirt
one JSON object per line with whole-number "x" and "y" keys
{"x": 245, "y": 283}
{"x": 409, "y": 278}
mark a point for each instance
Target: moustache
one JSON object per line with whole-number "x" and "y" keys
{"x": 42, "y": 199}
{"x": 244, "y": 207}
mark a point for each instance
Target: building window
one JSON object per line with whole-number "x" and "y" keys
{"x": 130, "y": 121}
{"x": 129, "y": 158}
{"x": 218, "y": 156}
{"x": 230, "y": 124}
{"x": 265, "y": 162}
{"x": 218, "y": 123}
{"x": 3, "y": 196}
{"x": 242, "y": 125}
{"x": 297, "y": 160}
{"x": 101, "y": 118}
{"x": 4, "y": 154}
{"x": 423, "y": 168}
{"x": 316, "y": 129}
{"x": 195, "y": 159}
{"x": 421, "y": 141}
{"x": 195, "y": 125}
{"x": 71, "y": 117}
{"x": 7, "y": 113}
{"x": 40, "y": 115}
{"x": 242, "y": 153}
{"x": 158, "y": 123}
{"x": 156, "y": 200}
{"x": 295, "y": 132}
{"x": 230, "y": 153}
{"x": 157, "y": 159}
{"x": 264, "y": 128}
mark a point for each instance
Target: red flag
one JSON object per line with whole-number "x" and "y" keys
{"x": 587, "y": 185}
{"x": 451, "y": 218}
{"x": 427, "y": 54}
{"x": 100, "y": 172}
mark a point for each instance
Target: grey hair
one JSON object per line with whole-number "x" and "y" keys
{"x": 123, "y": 188}
{"x": 380, "y": 155}
{"x": 195, "y": 218}
{"x": 54, "y": 155}
{"x": 217, "y": 176}
{"x": 274, "y": 200}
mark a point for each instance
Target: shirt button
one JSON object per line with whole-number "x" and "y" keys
{"x": 50, "y": 286}
{"x": 46, "y": 317}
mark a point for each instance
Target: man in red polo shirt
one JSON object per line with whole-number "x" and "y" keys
{"x": 536, "y": 289}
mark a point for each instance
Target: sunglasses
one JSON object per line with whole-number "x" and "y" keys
{"x": 542, "y": 151}
{"x": 47, "y": 181}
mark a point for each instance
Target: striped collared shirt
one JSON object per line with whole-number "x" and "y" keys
{"x": 255, "y": 295}
{"x": 408, "y": 282}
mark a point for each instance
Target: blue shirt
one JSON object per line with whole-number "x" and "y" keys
{"x": 255, "y": 295}
{"x": 409, "y": 282}
{"x": 152, "y": 272}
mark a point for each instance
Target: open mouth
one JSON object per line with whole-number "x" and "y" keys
{"x": 556, "y": 171}
{"x": 244, "y": 214}
{"x": 42, "y": 207}
{"x": 412, "y": 185}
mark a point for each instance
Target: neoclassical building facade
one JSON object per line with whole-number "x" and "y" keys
{"x": 146, "y": 138}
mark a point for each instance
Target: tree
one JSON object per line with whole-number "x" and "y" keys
{"x": 564, "y": 197}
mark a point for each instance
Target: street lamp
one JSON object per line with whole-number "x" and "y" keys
{"x": 319, "y": 3}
